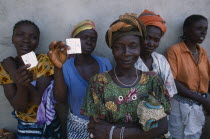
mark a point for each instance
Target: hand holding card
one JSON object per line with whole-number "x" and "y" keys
{"x": 75, "y": 45}
{"x": 30, "y": 58}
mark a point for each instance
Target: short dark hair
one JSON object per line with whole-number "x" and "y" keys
{"x": 192, "y": 19}
{"x": 25, "y": 22}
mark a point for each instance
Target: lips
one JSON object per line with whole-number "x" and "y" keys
{"x": 127, "y": 61}
{"x": 202, "y": 38}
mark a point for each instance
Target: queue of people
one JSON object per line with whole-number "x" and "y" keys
{"x": 145, "y": 95}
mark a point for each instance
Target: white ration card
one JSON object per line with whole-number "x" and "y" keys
{"x": 30, "y": 58}
{"x": 75, "y": 45}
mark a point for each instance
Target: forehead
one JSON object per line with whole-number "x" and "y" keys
{"x": 153, "y": 30}
{"x": 201, "y": 22}
{"x": 26, "y": 28}
{"x": 88, "y": 32}
{"x": 128, "y": 39}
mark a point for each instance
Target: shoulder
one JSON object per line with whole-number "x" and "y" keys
{"x": 101, "y": 59}
{"x": 175, "y": 47}
{"x": 69, "y": 62}
{"x": 100, "y": 78}
{"x": 151, "y": 77}
{"x": 159, "y": 56}
{"x": 202, "y": 50}
{"x": 4, "y": 76}
{"x": 44, "y": 67}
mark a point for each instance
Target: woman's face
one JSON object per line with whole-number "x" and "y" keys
{"x": 152, "y": 40}
{"x": 25, "y": 39}
{"x": 88, "y": 40}
{"x": 197, "y": 31}
{"x": 126, "y": 50}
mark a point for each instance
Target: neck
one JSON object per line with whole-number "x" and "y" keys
{"x": 191, "y": 45}
{"x": 129, "y": 72}
{"x": 83, "y": 59}
{"x": 145, "y": 57}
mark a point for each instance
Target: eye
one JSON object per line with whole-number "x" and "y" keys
{"x": 34, "y": 37}
{"x": 157, "y": 40}
{"x": 93, "y": 39}
{"x": 19, "y": 34}
{"x": 133, "y": 46}
{"x": 147, "y": 38}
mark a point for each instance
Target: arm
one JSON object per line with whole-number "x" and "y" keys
{"x": 60, "y": 87}
{"x": 18, "y": 93}
{"x": 183, "y": 91}
{"x": 167, "y": 77}
{"x": 101, "y": 130}
{"x": 58, "y": 57}
{"x": 36, "y": 92}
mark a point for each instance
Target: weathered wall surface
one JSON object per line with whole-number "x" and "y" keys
{"x": 56, "y": 19}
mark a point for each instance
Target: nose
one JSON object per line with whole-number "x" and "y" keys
{"x": 150, "y": 43}
{"x": 88, "y": 41}
{"x": 126, "y": 51}
{"x": 204, "y": 32}
{"x": 26, "y": 38}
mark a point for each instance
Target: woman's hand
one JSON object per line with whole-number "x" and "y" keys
{"x": 23, "y": 77}
{"x": 58, "y": 53}
{"x": 99, "y": 129}
{"x": 9, "y": 66}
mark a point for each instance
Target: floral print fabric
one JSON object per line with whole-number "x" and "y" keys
{"x": 115, "y": 104}
{"x": 44, "y": 68}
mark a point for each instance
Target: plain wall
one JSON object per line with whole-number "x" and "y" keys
{"x": 56, "y": 19}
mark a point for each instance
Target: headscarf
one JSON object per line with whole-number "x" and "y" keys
{"x": 127, "y": 24}
{"x": 150, "y": 18}
{"x": 84, "y": 25}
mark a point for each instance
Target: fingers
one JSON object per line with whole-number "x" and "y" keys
{"x": 51, "y": 46}
{"x": 58, "y": 45}
{"x": 23, "y": 68}
{"x": 23, "y": 76}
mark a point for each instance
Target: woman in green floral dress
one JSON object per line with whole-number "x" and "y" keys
{"x": 112, "y": 97}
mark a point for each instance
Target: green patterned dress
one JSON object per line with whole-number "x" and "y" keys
{"x": 118, "y": 105}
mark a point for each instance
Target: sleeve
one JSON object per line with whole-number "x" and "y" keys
{"x": 108, "y": 65}
{"x": 172, "y": 60}
{"x": 209, "y": 70}
{"x": 4, "y": 76}
{"x": 93, "y": 105}
{"x": 44, "y": 67}
{"x": 168, "y": 78}
{"x": 67, "y": 72}
{"x": 160, "y": 93}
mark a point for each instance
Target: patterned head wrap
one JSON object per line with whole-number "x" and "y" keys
{"x": 127, "y": 24}
{"x": 150, "y": 18}
{"x": 84, "y": 25}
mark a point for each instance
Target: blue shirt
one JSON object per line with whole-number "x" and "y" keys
{"x": 77, "y": 85}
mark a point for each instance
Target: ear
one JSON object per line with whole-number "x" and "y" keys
{"x": 12, "y": 40}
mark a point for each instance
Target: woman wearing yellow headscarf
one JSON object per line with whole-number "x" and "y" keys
{"x": 72, "y": 75}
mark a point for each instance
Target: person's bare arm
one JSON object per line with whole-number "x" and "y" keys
{"x": 101, "y": 130}
{"x": 183, "y": 91}
{"x": 36, "y": 92}
{"x": 18, "y": 93}
{"x": 58, "y": 55}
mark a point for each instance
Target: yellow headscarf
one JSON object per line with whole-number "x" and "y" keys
{"x": 84, "y": 25}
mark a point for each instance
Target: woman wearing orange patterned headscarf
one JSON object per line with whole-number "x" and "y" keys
{"x": 113, "y": 97}
{"x": 72, "y": 75}
{"x": 150, "y": 60}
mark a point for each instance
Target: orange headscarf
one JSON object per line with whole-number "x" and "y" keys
{"x": 150, "y": 18}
